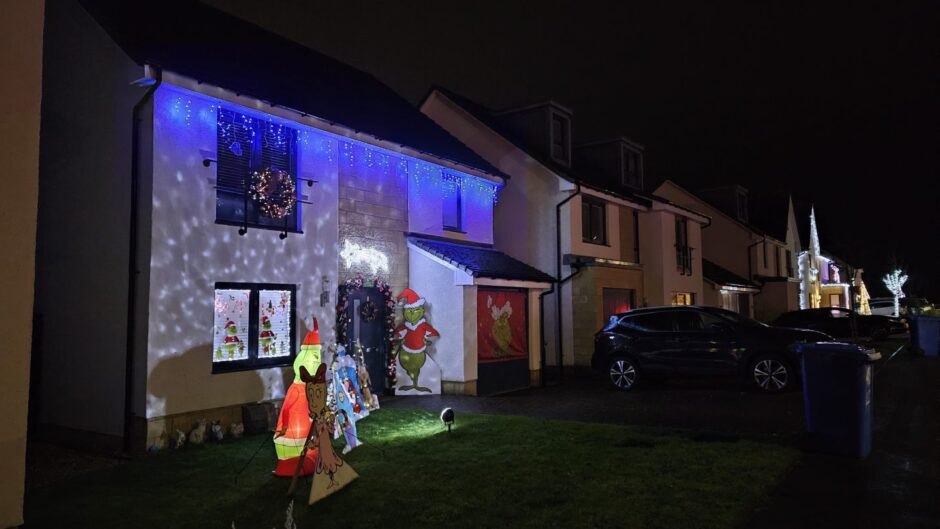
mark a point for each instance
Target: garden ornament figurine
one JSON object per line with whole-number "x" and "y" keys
{"x": 413, "y": 335}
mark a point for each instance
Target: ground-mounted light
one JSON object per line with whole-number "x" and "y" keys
{"x": 447, "y": 417}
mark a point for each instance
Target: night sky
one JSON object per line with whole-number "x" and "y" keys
{"x": 836, "y": 105}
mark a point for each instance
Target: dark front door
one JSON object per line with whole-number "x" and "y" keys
{"x": 370, "y": 331}
{"x": 502, "y": 340}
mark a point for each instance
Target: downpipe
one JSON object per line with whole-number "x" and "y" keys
{"x": 561, "y": 281}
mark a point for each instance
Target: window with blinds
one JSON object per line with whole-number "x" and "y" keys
{"x": 253, "y": 326}
{"x": 246, "y": 144}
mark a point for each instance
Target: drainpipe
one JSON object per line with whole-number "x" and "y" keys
{"x": 542, "y": 333}
{"x": 132, "y": 269}
{"x": 560, "y": 341}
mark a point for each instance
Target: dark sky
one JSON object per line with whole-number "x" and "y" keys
{"x": 835, "y": 104}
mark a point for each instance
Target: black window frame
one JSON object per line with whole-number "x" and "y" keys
{"x": 563, "y": 143}
{"x": 589, "y": 206}
{"x": 229, "y": 171}
{"x": 253, "y": 363}
{"x": 683, "y": 250}
{"x": 458, "y": 194}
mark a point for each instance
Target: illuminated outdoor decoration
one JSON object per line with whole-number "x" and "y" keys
{"x": 895, "y": 282}
{"x": 293, "y": 423}
{"x": 353, "y": 254}
{"x": 414, "y": 335}
{"x": 275, "y": 325}
{"x": 343, "y": 320}
{"x": 230, "y": 336}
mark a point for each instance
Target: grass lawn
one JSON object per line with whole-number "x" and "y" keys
{"x": 491, "y": 471}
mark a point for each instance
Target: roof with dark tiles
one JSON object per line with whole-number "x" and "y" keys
{"x": 481, "y": 261}
{"x": 723, "y": 276}
{"x": 195, "y": 40}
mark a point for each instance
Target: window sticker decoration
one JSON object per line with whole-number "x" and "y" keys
{"x": 274, "y": 329}
{"x": 501, "y": 326}
{"x": 230, "y": 342}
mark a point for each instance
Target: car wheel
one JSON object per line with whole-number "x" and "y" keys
{"x": 623, "y": 373}
{"x": 879, "y": 333}
{"x": 770, "y": 374}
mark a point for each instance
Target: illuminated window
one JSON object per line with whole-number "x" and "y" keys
{"x": 246, "y": 144}
{"x": 593, "y": 221}
{"x": 452, "y": 206}
{"x": 253, "y": 326}
{"x": 618, "y": 301}
{"x": 683, "y": 298}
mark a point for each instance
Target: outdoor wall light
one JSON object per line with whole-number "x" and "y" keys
{"x": 447, "y": 417}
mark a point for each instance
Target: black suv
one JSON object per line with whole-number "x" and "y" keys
{"x": 698, "y": 341}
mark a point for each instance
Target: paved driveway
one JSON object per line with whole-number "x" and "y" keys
{"x": 718, "y": 407}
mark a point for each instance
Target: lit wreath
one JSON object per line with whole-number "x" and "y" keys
{"x": 274, "y": 191}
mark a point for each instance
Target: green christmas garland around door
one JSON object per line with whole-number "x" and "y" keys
{"x": 369, "y": 311}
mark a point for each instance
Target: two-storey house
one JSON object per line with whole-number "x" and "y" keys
{"x": 750, "y": 263}
{"x": 208, "y": 188}
{"x": 827, "y": 281}
{"x": 578, "y": 213}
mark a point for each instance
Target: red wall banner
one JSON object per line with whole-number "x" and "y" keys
{"x": 501, "y": 326}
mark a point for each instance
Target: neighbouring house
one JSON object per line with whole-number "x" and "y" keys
{"x": 751, "y": 260}
{"x": 207, "y": 188}
{"x": 580, "y": 213}
{"x": 827, "y": 281}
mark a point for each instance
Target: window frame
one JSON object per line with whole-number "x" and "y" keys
{"x": 634, "y": 179}
{"x": 458, "y": 194}
{"x": 587, "y": 227}
{"x": 683, "y": 250}
{"x": 255, "y": 163}
{"x": 565, "y": 143}
{"x": 253, "y": 363}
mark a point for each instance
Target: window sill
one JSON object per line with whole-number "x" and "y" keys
{"x": 454, "y": 230}
{"x": 252, "y": 226}
{"x": 236, "y": 366}
{"x": 588, "y": 241}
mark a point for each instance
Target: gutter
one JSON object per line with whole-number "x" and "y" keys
{"x": 132, "y": 265}
{"x": 561, "y": 281}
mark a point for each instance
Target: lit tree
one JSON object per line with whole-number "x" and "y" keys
{"x": 894, "y": 281}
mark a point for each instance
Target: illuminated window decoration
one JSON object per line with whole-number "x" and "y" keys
{"x": 895, "y": 283}
{"x": 230, "y": 341}
{"x": 254, "y": 326}
{"x": 274, "y": 328}
{"x": 353, "y": 254}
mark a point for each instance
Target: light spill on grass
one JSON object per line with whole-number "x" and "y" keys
{"x": 491, "y": 471}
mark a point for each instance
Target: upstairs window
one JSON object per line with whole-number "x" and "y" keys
{"x": 244, "y": 145}
{"x": 561, "y": 139}
{"x": 632, "y": 168}
{"x": 742, "y": 206}
{"x": 593, "y": 221}
{"x": 452, "y": 207}
{"x": 253, "y": 326}
{"x": 789, "y": 263}
{"x": 683, "y": 251}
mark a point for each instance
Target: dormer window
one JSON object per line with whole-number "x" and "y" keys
{"x": 742, "y": 205}
{"x": 632, "y": 168}
{"x": 561, "y": 138}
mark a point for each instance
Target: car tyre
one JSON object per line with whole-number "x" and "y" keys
{"x": 622, "y": 373}
{"x": 770, "y": 373}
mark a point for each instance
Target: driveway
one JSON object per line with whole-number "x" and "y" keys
{"x": 713, "y": 407}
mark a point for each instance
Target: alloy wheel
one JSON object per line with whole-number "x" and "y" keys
{"x": 622, "y": 373}
{"x": 770, "y": 374}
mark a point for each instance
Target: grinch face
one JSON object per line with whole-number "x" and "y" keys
{"x": 413, "y": 314}
{"x": 232, "y": 330}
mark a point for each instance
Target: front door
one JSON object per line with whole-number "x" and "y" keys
{"x": 366, "y": 311}
{"x": 502, "y": 340}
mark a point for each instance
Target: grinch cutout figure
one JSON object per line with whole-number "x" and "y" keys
{"x": 414, "y": 335}
{"x": 231, "y": 342}
{"x": 502, "y": 332}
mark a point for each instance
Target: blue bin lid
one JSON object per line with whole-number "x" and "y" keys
{"x": 843, "y": 349}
